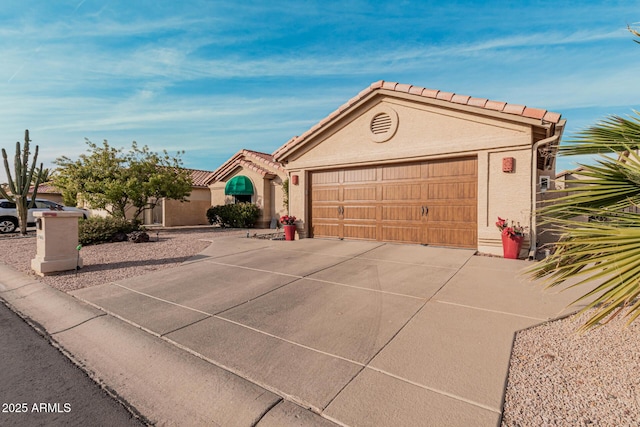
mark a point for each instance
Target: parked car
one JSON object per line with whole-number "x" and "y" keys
{"x": 9, "y": 213}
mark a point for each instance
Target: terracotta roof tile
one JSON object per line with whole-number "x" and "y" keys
{"x": 46, "y": 189}
{"x": 495, "y": 105}
{"x": 481, "y": 103}
{"x": 477, "y": 102}
{"x": 389, "y": 85}
{"x": 552, "y": 117}
{"x": 534, "y": 113}
{"x": 445, "y": 95}
{"x": 430, "y": 93}
{"x": 264, "y": 157}
{"x": 460, "y": 99}
{"x": 513, "y": 109}
{"x": 200, "y": 178}
{"x": 254, "y": 167}
{"x": 416, "y": 90}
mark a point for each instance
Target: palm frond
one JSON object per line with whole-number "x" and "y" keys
{"x": 612, "y": 134}
{"x": 608, "y": 185}
{"x": 604, "y": 254}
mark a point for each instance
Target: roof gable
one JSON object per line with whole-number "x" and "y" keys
{"x": 450, "y": 99}
{"x": 262, "y": 163}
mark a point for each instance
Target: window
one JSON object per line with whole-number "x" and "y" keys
{"x": 242, "y": 198}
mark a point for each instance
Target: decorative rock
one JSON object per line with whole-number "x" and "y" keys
{"x": 138, "y": 237}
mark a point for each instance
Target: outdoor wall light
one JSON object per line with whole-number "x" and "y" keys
{"x": 508, "y": 164}
{"x": 294, "y": 179}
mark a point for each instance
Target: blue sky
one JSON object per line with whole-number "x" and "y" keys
{"x": 213, "y": 77}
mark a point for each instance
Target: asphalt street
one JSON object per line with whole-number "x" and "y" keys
{"x": 39, "y": 386}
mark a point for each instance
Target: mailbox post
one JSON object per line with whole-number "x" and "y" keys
{"x": 57, "y": 242}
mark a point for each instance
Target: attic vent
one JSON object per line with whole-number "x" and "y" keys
{"x": 381, "y": 123}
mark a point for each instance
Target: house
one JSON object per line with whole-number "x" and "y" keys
{"x": 251, "y": 176}
{"x": 401, "y": 163}
{"x": 169, "y": 213}
{"x": 49, "y": 192}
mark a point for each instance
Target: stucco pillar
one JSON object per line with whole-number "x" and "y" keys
{"x": 57, "y": 242}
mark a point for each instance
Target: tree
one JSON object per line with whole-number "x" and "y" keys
{"x": 17, "y": 190}
{"x": 603, "y": 252}
{"x": 46, "y": 175}
{"x": 114, "y": 180}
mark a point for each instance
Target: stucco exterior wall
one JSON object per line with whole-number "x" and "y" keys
{"x": 425, "y": 132}
{"x": 191, "y": 212}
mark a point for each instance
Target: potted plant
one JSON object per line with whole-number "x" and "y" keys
{"x": 288, "y": 222}
{"x": 512, "y": 238}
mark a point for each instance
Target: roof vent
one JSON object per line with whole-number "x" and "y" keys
{"x": 383, "y": 123}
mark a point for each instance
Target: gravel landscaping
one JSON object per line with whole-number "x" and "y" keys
{"x": 556, "y": 378}
{"x": 114, "y": 261}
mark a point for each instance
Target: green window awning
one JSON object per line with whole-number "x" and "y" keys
{"x": 239, "y": 186}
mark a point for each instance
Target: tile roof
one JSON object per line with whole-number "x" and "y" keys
{"x": 46, "y": 189}
{"x": 200, "y": 178}
{"x": 262, "y": 163}
{"x": 453, "y": 98}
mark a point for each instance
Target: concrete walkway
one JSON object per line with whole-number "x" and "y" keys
{"x": 311, "y": 332}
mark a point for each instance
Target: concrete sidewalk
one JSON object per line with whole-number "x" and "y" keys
{"x": 311, "y": 332}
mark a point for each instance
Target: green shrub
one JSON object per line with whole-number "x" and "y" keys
{"x": 239, "y": 215}
{"x": 98, "y": 229}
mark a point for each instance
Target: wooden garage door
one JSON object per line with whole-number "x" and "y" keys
{"x": 431, "y": 202}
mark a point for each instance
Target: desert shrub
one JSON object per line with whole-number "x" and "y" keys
{"x": 98, "y": 229}
{"x": 239, "y": 215}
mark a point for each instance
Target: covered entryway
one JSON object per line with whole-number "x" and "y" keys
{"x": 430, "y": 202}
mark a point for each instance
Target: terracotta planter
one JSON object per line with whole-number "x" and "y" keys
{"x": 511, "y": 246}
{"x": 289, "y": 232}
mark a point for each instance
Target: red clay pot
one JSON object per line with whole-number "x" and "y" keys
{"x": 290, "y": 232}
{"x": 511, "y": 246}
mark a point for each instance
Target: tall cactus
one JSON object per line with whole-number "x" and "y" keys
{"x": 19, "y": 188}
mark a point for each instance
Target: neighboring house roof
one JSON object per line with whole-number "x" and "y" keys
{"x": 563, "y": 174}
{"x": 200, "y": 178}
{"x": 449, "y": 99}
{"x": 47, "y": 188}
{"x": 262, "y": 163}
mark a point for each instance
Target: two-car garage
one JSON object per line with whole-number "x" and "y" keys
{"x": 399, "y": 163}
{"x": 431, "y": 202}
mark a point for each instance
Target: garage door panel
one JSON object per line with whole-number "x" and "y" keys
{"x": 453, "y": 214}
{"x": 359, "y": 175}
{"x": 447, "y": 236}
{"x": 401, "y": 172}
{"x": 402, "y": 233}
{"x": 326, "y": 230}
{"x": 325, "y": 212}
{"x": 325, "y": 194}
{"x": 452, "y": 168}
{"x": 360, "y": 231}
{"x": 359, "y": 194}
{"x": 402, "y": 192}
{"x": 452, "y": 191}
{"x": 401, "y": 213}
{"x": 325, "y": 177}
{"x": 359, "y": 213}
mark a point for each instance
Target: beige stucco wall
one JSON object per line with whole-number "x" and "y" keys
{"x": 427, "y": 132}
{"x": 191, "y": 212}
{"x": 267, "y": 196}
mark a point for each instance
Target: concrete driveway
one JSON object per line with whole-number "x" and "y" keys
{"x": 360, "y": 333}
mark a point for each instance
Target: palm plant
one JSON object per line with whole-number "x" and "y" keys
{"x": 605, "y": 250}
